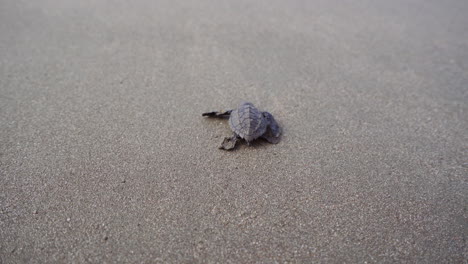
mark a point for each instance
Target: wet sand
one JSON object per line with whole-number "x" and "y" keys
{"x": 104, "y": 155}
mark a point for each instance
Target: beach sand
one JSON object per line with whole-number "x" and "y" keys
{"x": 105, "y": 157}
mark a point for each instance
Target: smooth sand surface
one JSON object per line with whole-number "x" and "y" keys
{"x": 105, "y": 158}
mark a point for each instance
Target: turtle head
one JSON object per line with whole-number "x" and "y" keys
{"x": 272, "y": 124}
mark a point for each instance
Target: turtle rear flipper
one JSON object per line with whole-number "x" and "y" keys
{"x": 219, "y": 114}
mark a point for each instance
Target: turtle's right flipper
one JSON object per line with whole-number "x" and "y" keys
{"x": 229, "y": 143}
{"x": 218, "y": 114}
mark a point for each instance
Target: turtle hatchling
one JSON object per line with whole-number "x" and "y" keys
{"x": 248, "y": 123}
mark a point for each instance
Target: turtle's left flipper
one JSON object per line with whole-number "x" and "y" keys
{"x": 229, "y": 143}
{"x": 218, "y": 114}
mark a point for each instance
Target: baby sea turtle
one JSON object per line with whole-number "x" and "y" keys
{"x": 248, "y": 123}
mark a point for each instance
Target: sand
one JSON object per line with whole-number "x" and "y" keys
{"x": 105, "y": 158}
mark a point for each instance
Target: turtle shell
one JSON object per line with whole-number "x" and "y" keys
{"x": 247, "y": 122}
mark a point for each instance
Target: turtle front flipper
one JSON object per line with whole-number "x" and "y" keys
{"x": 273, "y": 131}
{"x": 229, "y": 143}
{"x": 219, "y": 114}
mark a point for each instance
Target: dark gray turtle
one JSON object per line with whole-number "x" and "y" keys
{"x": 248, "y": 123}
